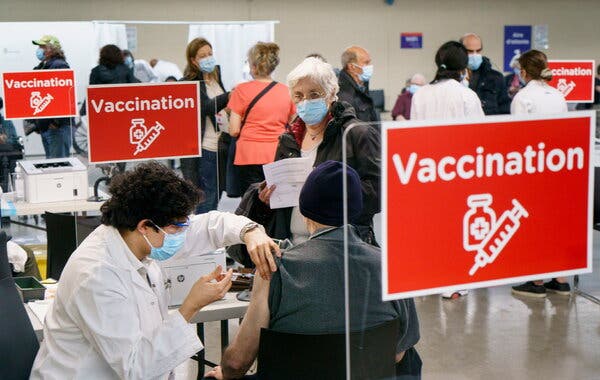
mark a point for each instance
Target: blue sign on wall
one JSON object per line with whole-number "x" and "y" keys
{"x": 411, "y": 40}
{"x": 517, "y": 40}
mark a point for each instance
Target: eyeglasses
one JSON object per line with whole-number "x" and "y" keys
{"x": 298, "y": 96}
{"x": 179, "y": 225}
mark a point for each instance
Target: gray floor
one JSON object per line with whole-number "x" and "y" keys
{"x": 489, "y": 334}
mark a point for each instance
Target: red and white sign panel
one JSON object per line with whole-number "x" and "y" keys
{"x": 575, "y": 79}
{"x": 486, "y": 203}
{"x": 143, "y": 121}
{"x": 39, "y": 94}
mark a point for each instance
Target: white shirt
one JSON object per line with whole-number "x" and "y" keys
{"x": 538, "y": 97}
{"x": 165, "y": 69}
{"x": 143, "y": 71}
{"x": 108, "y": 322}
{"x": 446, "y": 99}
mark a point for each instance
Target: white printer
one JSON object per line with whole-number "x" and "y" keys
{"x": 182, "y": 274}
{"x": 54, "y": 180}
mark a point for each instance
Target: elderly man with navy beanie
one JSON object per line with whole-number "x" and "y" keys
{"x": 306, "y": 294}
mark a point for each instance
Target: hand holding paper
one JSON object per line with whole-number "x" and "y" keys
{"x": 288, "y": 176}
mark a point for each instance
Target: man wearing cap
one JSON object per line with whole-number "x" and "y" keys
{"x": 306, "y": 294}
{"x": 56, "y": 132}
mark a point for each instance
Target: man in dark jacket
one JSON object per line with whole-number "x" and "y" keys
{"x": 354, "y": 82}
{"x": 485, "y": 81}
{"x": 56, "y": 132}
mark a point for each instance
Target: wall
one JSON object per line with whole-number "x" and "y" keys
{"x": 329, "y": 26}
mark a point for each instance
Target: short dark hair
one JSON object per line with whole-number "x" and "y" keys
{"x": 110, "y": 56}
{"x": 149, "y": 191}
{"x": 451, "y": 59}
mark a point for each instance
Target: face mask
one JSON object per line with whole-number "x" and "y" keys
{"x": 207, "y": 64}
{"x": 129, "y": 61}
{"x": 39, "y": 53}
{"x": 171, "y": 244}
{"x": 413, "y": 88}
{"x": 475, "y": 61}
{"x": 367, "y": 73}
{"x": 312, "y": 111}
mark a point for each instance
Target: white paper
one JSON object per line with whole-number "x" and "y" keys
{"x": 288, "y": 176}
{"x": 39, "y": 308}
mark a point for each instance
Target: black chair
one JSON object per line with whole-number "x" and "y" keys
{"x": 298, "y": 356}
{"x": 378, "y": 99}
{"x": 64, "y": 234}
{"x": 18, "y": 343}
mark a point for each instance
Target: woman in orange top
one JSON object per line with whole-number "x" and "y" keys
{"x": 266, "y": 121}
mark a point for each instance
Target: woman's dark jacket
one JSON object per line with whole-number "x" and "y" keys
{"x": 119, "y": 74}
{"x": 209, "y": 107}
{"x": 363, "y": 154}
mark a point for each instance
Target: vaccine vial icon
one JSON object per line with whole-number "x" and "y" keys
{"x": 137, "y": 131}
{"x": 478, "y": 221}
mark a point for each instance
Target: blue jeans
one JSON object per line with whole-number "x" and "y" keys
{"x": 57, "y": 142}
{"x": 208, "y": 174}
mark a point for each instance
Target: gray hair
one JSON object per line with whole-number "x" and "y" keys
{"x": 418, "y": 78}
{"x": 320, "y": 72}
{"x": 349, "y": 56}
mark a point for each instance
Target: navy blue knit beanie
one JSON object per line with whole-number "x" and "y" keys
{"x": 321, "y": 198}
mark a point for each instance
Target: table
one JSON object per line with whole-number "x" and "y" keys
{"x": 23, "y": 208}
{"x": 227, "y": 308}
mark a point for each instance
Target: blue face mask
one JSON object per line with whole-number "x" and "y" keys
{"x": 129, "y": 61}
{"x": 413, "y": 88}
{"x": 367, "y": 73}
{"x": 312, "y": 112}
{"x": 171, "y": 244}
{"x": 39, "y": 53}
{"x": 475, "y": 61}
{"x": 207, "y": 64}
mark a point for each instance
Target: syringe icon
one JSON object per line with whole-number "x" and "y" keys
{"x": 499, "y": 236}
{"x": 149, "y": 138}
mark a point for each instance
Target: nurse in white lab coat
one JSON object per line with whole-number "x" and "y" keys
{"x": 109, "y": 319}
{"x": 538, "y": 97}
{"x": 449, "y": 95}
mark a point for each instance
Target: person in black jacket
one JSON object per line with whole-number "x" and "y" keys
{"x": 201, "y": 66}
{"x": 318, "y": 133}
{"x": 111, "y": 68}
{"x": 484, "y": 80}
{"x": 56, "y": 132}
{"x": 354, "y": 82}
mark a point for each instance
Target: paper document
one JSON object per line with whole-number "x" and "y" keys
{"x": 40, "y": 308}
{"x": 289, "y": 176}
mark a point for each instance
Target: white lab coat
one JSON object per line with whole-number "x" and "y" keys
{"x": 165, "y": 69}
{"x": 108, "y": 322}
{"x": 446, "y": 99}
{"x": 143, "y": 71}
{"x": 538, "y": 97}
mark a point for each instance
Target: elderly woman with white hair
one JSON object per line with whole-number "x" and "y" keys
{"x": 317, "y": 133}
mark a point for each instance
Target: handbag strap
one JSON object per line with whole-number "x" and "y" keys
{"x": 256, "y": 99}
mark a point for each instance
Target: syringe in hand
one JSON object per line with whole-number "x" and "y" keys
{"x": 499, "y": 236}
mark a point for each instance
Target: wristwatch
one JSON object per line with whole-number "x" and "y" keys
{"x": 247, "y": 228}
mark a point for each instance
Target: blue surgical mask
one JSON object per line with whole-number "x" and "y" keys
{"x": 39, "y": 53}
{"x": 207, "y": 64}
{"x": 172, "y": 243}
{"x": 475, "y": 61}
{"x": 129, "y": 61}
{"x": 413, "y": 88}
{"x": 313, "y": 111}
{"x": 367, "y": 73}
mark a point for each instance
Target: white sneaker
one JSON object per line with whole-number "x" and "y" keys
{"x": 454, "y": 295}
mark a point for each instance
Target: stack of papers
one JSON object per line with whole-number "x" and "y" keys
{"x": 288, "y": 176}
{"x": 40, "y": 308}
